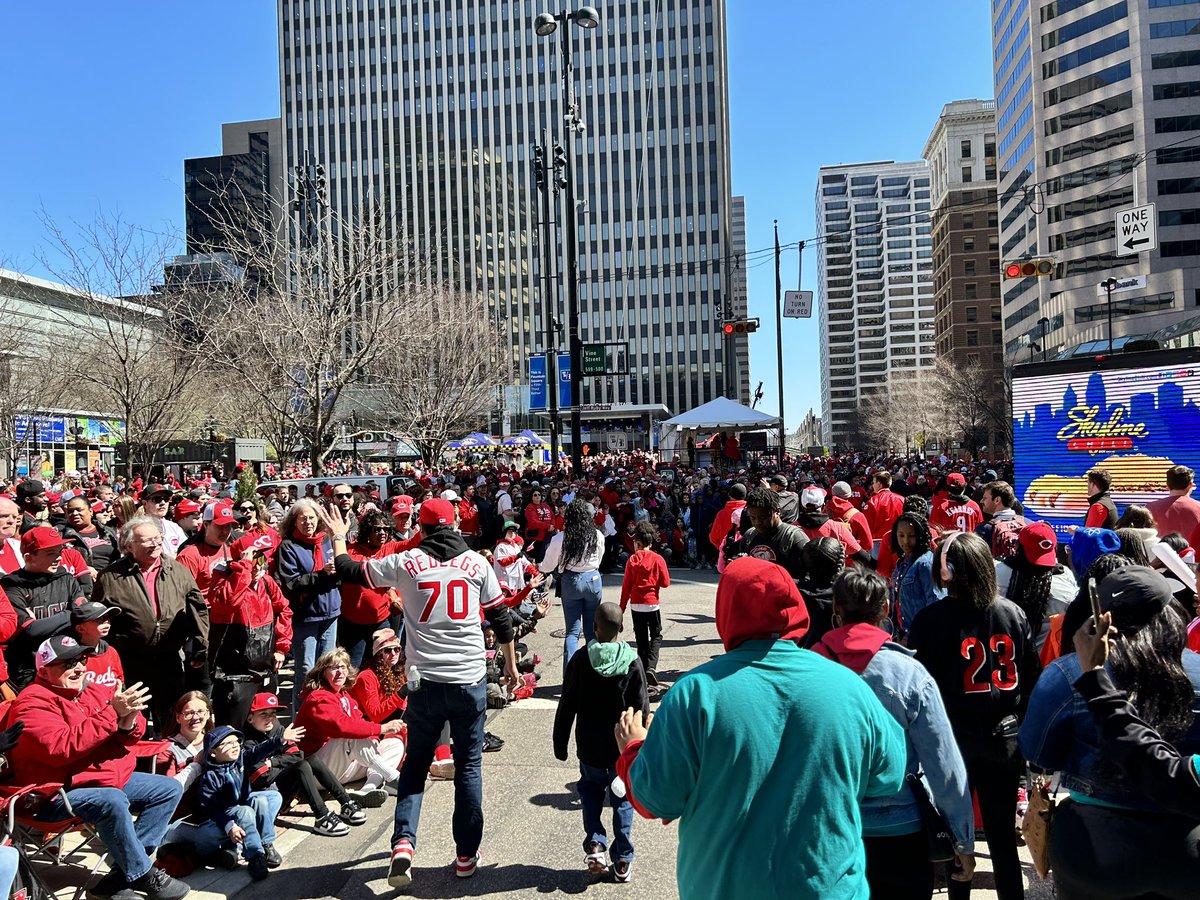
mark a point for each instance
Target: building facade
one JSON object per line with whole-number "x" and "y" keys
{"x": 875, "y": 285}
{"x": 432, "y": 110}
{"x": 737, "y": 348}
{"x": 1098, "y": 110}
{"x": 968, "y": 329}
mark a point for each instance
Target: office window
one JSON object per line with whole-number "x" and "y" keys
{"x": 965, "y": 149}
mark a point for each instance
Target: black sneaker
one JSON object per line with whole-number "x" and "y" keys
{"x": 259, "y": 868}
{"x": 491, "y": 743}
{"x": 111, "y": 885}
{"x": 225, "y": 858}
{"x": 352, "y": 814}
{"x": 369, "y": 798}
{"x": 651, "y": 678}
{"x": 274, "y": 860}
{"x": 331, "y": 825}
{"x": 158, "y": 885}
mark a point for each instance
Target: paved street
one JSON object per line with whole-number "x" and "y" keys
{"x": 532, "y": 843}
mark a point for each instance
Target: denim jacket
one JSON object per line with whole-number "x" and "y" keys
{"x": 912, "y": 587}
{"x": 1059, "y": 735}
{"x": 911, "y": 696}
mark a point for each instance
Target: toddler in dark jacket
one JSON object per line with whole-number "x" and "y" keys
{"x": 600, "y": 685}
{"x": 247, "y": 817}
{"x": 291, "y": 773}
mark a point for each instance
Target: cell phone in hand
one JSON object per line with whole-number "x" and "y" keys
{"x": 1094, "y": 599}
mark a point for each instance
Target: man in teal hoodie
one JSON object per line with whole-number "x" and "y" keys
{"x": 764, "y": 755}
{"x": 600, "y": 685}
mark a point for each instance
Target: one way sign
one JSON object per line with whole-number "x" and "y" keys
{"x": 1137, "y": 230}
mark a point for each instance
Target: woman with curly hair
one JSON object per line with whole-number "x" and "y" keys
{"x": 337, "y": 733}
{"x": 574, "y": 555}
{"x": 912, "y": 577}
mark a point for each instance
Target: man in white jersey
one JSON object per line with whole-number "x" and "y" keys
{"x": 444, "y": 586}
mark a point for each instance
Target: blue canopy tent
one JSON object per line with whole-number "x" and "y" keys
{"x": 474, "y": 441}
{"x": 526, "y": 438}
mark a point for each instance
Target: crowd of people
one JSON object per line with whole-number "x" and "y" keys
{"x": 899, "y": 657}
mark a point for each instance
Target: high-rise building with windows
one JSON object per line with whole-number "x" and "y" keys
{"x": 875, "y": 285}
{"x": 738, "y": 347}
{"x": 1098, "y": 109}
{"x": 433, "y": 108}
{"x": 961, "y": 152}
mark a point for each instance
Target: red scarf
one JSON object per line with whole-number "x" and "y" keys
{"x": 316, "y": 544}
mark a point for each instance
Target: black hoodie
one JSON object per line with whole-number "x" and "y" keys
{"x": 42, "y": 601}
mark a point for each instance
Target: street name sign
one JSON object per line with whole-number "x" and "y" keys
{"x": 1137, "y": 230}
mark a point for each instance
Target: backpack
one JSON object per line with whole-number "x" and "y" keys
{"x": 27, "y": 883}
{"x": 1004, "y": 537}
{"x": 731, "y": 546}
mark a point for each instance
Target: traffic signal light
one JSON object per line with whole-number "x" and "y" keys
{"x": 741, "y": 326}
{"x": 1029, "y": 268}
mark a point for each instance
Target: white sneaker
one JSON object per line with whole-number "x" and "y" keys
{"x": 597, "y": 858}
{"x": 442, "y": 770}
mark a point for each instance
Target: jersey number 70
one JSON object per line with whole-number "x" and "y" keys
{"x": 458, "y": 593}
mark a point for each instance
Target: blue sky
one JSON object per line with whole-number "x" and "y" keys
{"x": 105, "y": 101}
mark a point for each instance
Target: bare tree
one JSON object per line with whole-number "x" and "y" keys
{"x": 138, "y": 358}
{"x": 309, "y": 338}
{"x": 976, "y": 404}
{"x": 449, "y": 370}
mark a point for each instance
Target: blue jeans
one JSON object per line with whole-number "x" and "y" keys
{"x": 581, "y": 596}
{"x": 151, "y": 798}
{"x": 257, "y": 819}
{"x": 310, "y": 640}
{"x": 430, "y": 708}
{"x": 594, "y": 787}
{"x": 8, "y": 869}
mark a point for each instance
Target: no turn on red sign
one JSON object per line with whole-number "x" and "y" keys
{"x": 1137, "y": 230}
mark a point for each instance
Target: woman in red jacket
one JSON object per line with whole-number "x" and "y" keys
{"x": 539, "y": 524}
{"x": 382, "y": 693}
{"x": 338, "y": 734}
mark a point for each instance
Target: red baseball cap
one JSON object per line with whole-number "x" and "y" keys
{"x": 219, "y": 514}
{"x": 956, "y": 478}
{"x": 186, "y": 508}
{"x": 252, "y": 540}
{"x": 43, "y": 537}
{"x": 263, "y": 701}
{"x": 1038, "y": 542}
{"x": 436, "y": 512}
{"x": 402, "y": 504}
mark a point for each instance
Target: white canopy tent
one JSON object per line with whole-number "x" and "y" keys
{"x": 722, "y": 413}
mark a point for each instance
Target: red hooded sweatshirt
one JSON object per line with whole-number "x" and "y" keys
{"x": 850, "y": 515}
{"x": 326, "y": 715}
{"x": 854, "y": 646}
{"x": 71, "y": 737}
{"x": 724, "y": 521}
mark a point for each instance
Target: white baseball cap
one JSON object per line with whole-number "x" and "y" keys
{"x": 450, "y": 495}
{"x": 812, "y": 496}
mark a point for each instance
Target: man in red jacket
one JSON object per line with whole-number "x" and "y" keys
{"x": 884, "y": 506}
{"x": 82, "y": 735}
{"x": 957, "y": 512}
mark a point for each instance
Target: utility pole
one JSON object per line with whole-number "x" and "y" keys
{"x": 779, "y": 343}
{"x": 549, "y": 181}
{"x": 571, "y": 224}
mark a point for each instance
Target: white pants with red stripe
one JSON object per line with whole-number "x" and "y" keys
{"x": 350, "y": 759}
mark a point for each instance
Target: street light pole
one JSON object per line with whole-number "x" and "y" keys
{"x": 779, "y": 345}
{"x": 1043, "y": 325}
{"x": 545, "y": 25}
{"x": 1109, "y": 284}
{"x": 548, "y": 182}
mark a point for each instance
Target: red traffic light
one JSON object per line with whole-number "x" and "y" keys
{"x": 1041, "y": 268}
{"x": 740, "y": 326}
{"x": 728, "y": 328}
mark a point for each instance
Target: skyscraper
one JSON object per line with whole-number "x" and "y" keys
{"x": 875, "y": 285}
{"x": 433, "y": 109}
{"x": 1098, "y": 110}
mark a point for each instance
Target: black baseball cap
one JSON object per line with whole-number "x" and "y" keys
{"x": 1134, "y": 595}
{"x": 90, "y": 611}
{"x": 30, "y": 488}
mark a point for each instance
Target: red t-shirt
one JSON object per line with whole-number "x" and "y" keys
{"x": 956, "y": 515}
{"x": 200, "y": 559}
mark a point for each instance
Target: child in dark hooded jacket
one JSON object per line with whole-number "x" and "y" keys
{"x": 291, "y": 773}
{"x": 247, "y": 817}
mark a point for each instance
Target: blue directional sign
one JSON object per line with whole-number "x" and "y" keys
{"x": 564, "y": 381}
{"x": 537, "y": 383}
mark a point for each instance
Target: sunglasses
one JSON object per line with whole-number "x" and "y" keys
{"x": 246, "y": 509}
{"x": 76, "y": 663}
{"x": 390, "y": 650}
{"x": 342, "y": 496}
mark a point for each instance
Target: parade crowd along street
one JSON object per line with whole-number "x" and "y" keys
{"x": 909, "y": 664}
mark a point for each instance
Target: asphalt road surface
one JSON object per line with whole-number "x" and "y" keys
{"x": 533, "y": 834}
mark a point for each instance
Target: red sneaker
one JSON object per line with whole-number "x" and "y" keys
{"x": 400, "y": 869}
